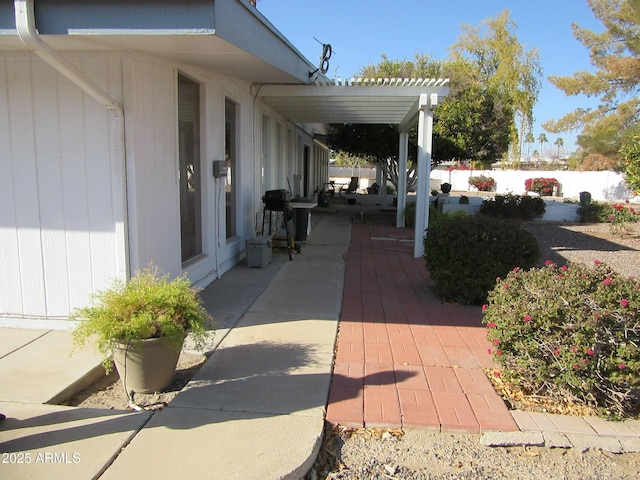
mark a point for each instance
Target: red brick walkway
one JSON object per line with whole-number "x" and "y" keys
{"x": 403, "y": 358}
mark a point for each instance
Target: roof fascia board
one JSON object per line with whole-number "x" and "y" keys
{"x": 254, "y": 34}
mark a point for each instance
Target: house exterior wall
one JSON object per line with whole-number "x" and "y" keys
{"x": 62, "y": 220}
{"x": 86, "y": 200}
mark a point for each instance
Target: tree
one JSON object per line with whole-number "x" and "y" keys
{"x": 630, "y": 152}
{"x": 529, "y": 140}
{"x": 378, "y": 144}
{"x": 542, "y": 138}
{"x": 559, "y": 143}
{"x": 615, "y": 54}
{"x": 503, "y": 63}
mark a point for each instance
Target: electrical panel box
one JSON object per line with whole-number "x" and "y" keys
{"x": 219, "y": 168}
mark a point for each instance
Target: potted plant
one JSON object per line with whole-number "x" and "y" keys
{"x": 142, "y": 324}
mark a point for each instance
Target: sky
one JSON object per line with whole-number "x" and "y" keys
{"x": 360, "y": 31}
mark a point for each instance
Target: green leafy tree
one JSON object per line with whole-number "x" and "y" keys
{"x": 615, "y": 54}
{"x": 504, "y": 65}
{"x": 630, "y": 152}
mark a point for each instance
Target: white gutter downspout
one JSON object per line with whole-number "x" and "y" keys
{"x": 25, "y": 26}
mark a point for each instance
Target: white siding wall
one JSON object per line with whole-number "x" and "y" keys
{"x": 62, "y": 216}
{"x": 64, "y": 208}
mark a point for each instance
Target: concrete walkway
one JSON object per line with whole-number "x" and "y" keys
{"x": 256, "y": 408}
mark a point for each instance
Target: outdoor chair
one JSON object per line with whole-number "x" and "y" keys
{"x": 352, "y": 187}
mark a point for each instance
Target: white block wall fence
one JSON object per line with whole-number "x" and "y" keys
{"x": 603, "y": 186}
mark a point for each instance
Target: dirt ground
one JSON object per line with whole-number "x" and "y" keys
{"x": 109, "y": 393}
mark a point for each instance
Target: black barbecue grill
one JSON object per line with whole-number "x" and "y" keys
{"x": 278, "y": 201}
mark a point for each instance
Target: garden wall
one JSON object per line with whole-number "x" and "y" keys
{"x": 603, "y": 186}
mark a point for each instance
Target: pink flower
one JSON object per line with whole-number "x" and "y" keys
{"x": 489, "y": 351}
{"x": 548, "y": 263}
{"x": 527, "y": 318}
{"x": 607, "y": 281}
{"x": 597, "y": 262}
{"x": 496, "y": 374}
{"x": 498, "y": 352}
{"x": 576, "y": 366}
{"x": 492, "y": 325}
{"x": 484, "y": 307}
{"x": 505, "y": 286}
{"x": 622, "y": 366}
{"x": 573, "y": 350}
{"x": 583, "y": 361}
{"x": 556, "y": 352}
{"x": 563, "y": 268}
{"x": 624, "y": 303}
{"x": 496, "y": 341}
{"x": 589, "y": 351}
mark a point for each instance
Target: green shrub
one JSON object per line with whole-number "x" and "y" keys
{"x": 605, "y": 213}
{"x": 569, "y": 332}
{"x": 513, "y": 206}
{"x": 464, "y": 255}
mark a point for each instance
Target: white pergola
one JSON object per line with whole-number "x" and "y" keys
{"x": 403, "y": 102}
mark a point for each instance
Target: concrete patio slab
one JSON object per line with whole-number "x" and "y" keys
{"x": 216, "y": 446}
{"x": 45, "y": 370}
{"x": 49, "y": 441}
{"x": 15, "y": 338}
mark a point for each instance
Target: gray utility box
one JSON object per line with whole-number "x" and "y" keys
{"x": 259, "y": 251}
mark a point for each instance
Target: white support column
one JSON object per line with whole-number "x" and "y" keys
{"x": 402, "y": 178}
{"x": 425, "y": 145}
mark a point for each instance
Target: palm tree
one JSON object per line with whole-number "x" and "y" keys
{"x": 542, "y": 138}
{"x": 559, "y": 143}
{"x": 529, "y": 139}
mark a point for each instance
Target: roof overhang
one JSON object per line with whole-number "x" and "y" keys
{"x": 229, "y": 37}
{"x": 372, "y": 101}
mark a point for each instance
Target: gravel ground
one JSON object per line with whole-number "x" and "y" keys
{"x": 416, "y": 454}
{"x": 586, "y": 243}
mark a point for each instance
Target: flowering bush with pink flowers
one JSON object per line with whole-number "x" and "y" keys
{"x": 483, "y": 183}
{"x": 541, "y": 186}
{"x": 569, "y": 332}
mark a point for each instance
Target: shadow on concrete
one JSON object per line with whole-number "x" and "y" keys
{"x": 263, "y": 379}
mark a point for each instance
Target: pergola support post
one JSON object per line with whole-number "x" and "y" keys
{"x": 402, "y": 179}
{"x": 425, "y": 146}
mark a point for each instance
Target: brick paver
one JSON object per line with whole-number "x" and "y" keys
{"x": 403, "y": 358}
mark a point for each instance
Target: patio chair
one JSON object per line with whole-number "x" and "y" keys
{"x": 351, "y": 188}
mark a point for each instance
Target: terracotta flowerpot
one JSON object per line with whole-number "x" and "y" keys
{"x": 146, "y": 366}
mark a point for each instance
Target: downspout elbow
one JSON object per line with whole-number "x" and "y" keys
{"x": 25, "y": 26}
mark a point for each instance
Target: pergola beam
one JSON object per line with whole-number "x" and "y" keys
{"x": 404, "y": 102}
